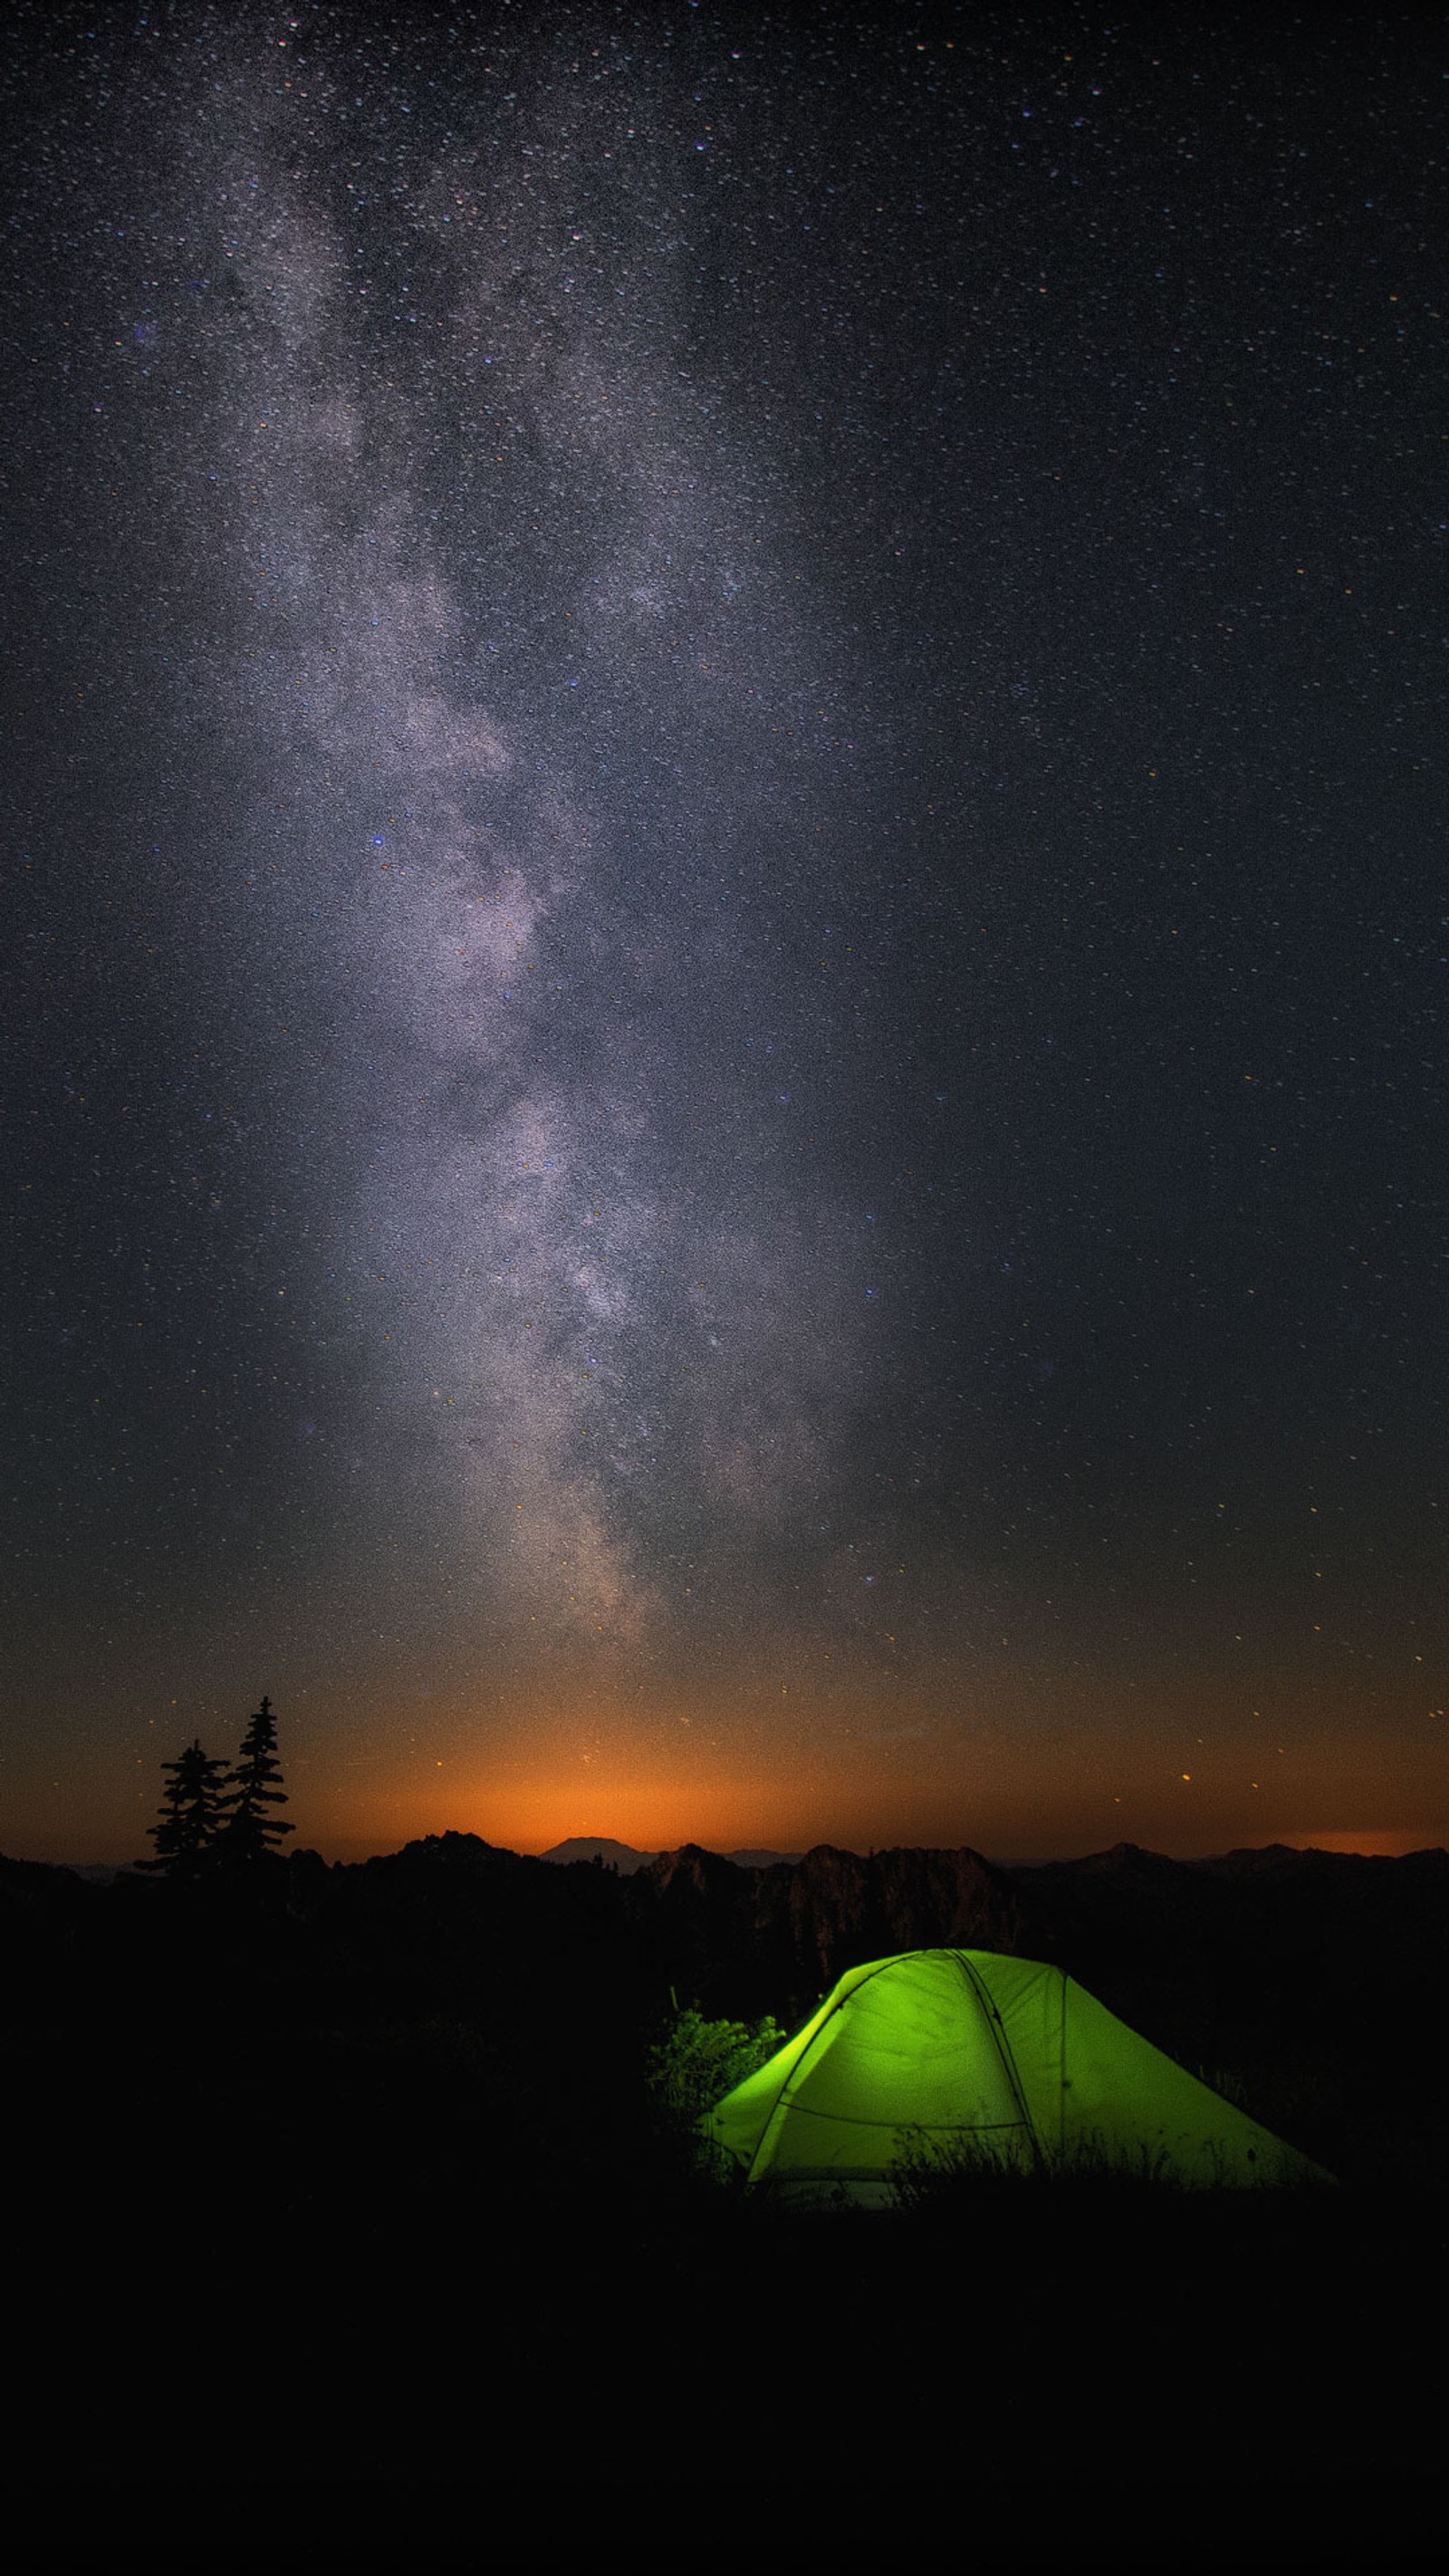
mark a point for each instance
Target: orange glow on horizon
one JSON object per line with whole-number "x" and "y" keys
{"x": 869, "y": 1771}
{"x": 1372, "y": 1842}
{"x": 1010, "y": 1763}
{"x": 652, "y": 1807}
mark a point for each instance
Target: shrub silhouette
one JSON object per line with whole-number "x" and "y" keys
{"x": 696, "y": 2063}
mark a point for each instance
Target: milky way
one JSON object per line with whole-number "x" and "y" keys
{"x": 527, "y": 735}
{"x": 727, "y": 736}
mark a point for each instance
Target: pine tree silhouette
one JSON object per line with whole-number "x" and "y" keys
{"x": 193, "y": 1815}
{"x": 252, "y": 1832}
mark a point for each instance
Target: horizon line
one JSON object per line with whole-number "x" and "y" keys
{"x": 1367, "y": 1844}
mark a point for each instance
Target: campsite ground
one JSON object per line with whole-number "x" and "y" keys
{"x": 469, "y": 2384}
{"x": 346, "y": 2241}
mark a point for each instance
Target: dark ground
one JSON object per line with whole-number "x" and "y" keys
{"x": 345, "y": 2238}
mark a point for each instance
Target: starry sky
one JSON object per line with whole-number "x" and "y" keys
{"x": 726, "y": 922}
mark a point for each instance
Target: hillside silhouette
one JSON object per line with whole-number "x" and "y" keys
{"x": 372, "y": 2147}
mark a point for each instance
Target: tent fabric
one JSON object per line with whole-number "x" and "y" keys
{"x": 950, "y": 2050}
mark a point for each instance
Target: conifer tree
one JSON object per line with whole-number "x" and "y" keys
{"x": 252, "y": 1832}
{"x": 193, "y": 1813}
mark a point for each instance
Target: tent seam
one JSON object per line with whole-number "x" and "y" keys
{"x": 1003, "y": 2048}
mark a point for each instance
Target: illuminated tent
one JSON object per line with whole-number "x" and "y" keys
{"x": 952, "y": 2052}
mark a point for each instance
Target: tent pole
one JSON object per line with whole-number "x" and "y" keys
{"x": 1003, "y": 2050}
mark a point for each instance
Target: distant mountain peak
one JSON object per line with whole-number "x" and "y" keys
{"x": 626, "y": 1860}
{"x": 599, "y": 1847}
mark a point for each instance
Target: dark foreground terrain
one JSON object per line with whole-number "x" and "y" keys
{"x": 347, "y": 2234}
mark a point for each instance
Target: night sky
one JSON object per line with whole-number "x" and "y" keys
{"x": 726, "y": 922}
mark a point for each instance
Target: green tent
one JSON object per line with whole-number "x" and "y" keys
{"x": 942, "y": 2051}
